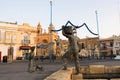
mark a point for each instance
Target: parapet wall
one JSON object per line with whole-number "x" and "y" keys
{"x": 91, "y": 72}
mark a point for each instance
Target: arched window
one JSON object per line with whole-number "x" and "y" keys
{"x": 111, "y": 44}
{"x": 45, "y": 41}
{"x": 38, "y": 31}
{"x": 83, "y": 46}
{"x": 26, "y": 39}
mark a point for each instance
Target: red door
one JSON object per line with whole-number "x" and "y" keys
{"x": 0, "y": 56}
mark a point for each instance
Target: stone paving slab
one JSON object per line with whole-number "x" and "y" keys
{"x": 60, "y": 75}
{"x": 18, "y": 69}
{"x": 96, "y": 71}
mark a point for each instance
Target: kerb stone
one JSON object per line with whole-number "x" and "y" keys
{"x": 96, "y": 69}
{"x": 76, "y": 77}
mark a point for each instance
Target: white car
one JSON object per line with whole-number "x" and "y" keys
{"x": 117, "y": 57}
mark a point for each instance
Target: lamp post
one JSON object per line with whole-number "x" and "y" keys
{"x": 11, "y": 49}
{"x": 50, "y": 30}
{"x": 98, "y": 34}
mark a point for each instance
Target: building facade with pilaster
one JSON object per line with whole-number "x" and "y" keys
{"x": 19, "y": 37}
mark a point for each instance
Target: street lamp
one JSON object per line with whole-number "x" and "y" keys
{"x": 100, "y": 55}
{"x": 50, "y": 30}
{"x": 11, "y": 49}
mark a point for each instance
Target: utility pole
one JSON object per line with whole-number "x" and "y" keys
{"x": 100, "y": 55}
{"x": 11, "y": 49}
{"x": 51, "y": 30}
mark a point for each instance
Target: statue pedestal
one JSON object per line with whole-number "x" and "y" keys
{"x": 77, "y": 76}
{"x": 94, "y": 69}
{"x": 60, "y": 75}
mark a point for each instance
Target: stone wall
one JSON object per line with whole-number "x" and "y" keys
{"x": 91, "y": 72}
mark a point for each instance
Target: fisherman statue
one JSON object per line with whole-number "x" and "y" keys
{"x": 31, "y": 63}
{"x": 33, "y": 66}
{"x": 74, "y": 48}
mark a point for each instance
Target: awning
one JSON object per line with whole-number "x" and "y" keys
{"x": 25, "y": 47}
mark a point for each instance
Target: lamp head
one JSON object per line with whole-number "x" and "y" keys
{"x": 50, "y": 2}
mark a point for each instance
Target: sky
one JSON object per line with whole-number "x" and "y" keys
{"x": 76, "y": 11}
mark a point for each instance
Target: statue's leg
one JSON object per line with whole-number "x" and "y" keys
{"x": 64, "y": 58}
{"x": 31, "y": 66}
{"x": 64, "y": 63}
{"x": 76, "y": 59}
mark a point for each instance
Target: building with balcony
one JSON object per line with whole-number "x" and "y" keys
{"x": 89, "y": 46}
{"x": 106, "y": 46}
{"x": 110, "y": 46}
{"x": 22, "y": 37}
{"x": 17, "y": 40}
{"x": 19, "y": 37}
{"x": 116, "y": 44}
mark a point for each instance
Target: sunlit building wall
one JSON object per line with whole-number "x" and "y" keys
{"x": 12, "y": 34}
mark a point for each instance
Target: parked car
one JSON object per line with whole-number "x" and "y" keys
{"x": 117, "y": 57}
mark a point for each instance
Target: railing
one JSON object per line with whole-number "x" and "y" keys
{"x": 25, "y": 42}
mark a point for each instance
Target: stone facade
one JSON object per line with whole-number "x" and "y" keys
{"x": 89, "y": 46}
{"x": 116, "y": 44}
{"x": 111, "y": 45}
{"x": 106, "y": 46}
{"x": 22, "y": 37}
{"x": 43, "y": 40}
{"x": 14, "y": 35}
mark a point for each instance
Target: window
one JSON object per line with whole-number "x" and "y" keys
{"x": 119, "y": 44}
{"x": 104, "y": 46}
{"x": 116, "y": 43}
{"x": 117, "y": 52}
{"x": 25, "y": 39}
{"x": 38, "y": 31}
{"x": 45, "y": 41}
{"x": 83, "y": 46}
{"x": 111, "y": 44}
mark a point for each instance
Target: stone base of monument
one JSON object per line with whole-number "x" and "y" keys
{"x": 91, "y": 72}
{"x": 61, "y": 75}
{"x": 96, "y": 69}
{"x": 76, "y": 77}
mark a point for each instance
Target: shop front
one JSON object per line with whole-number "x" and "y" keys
{"x": 25, "y": 51}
